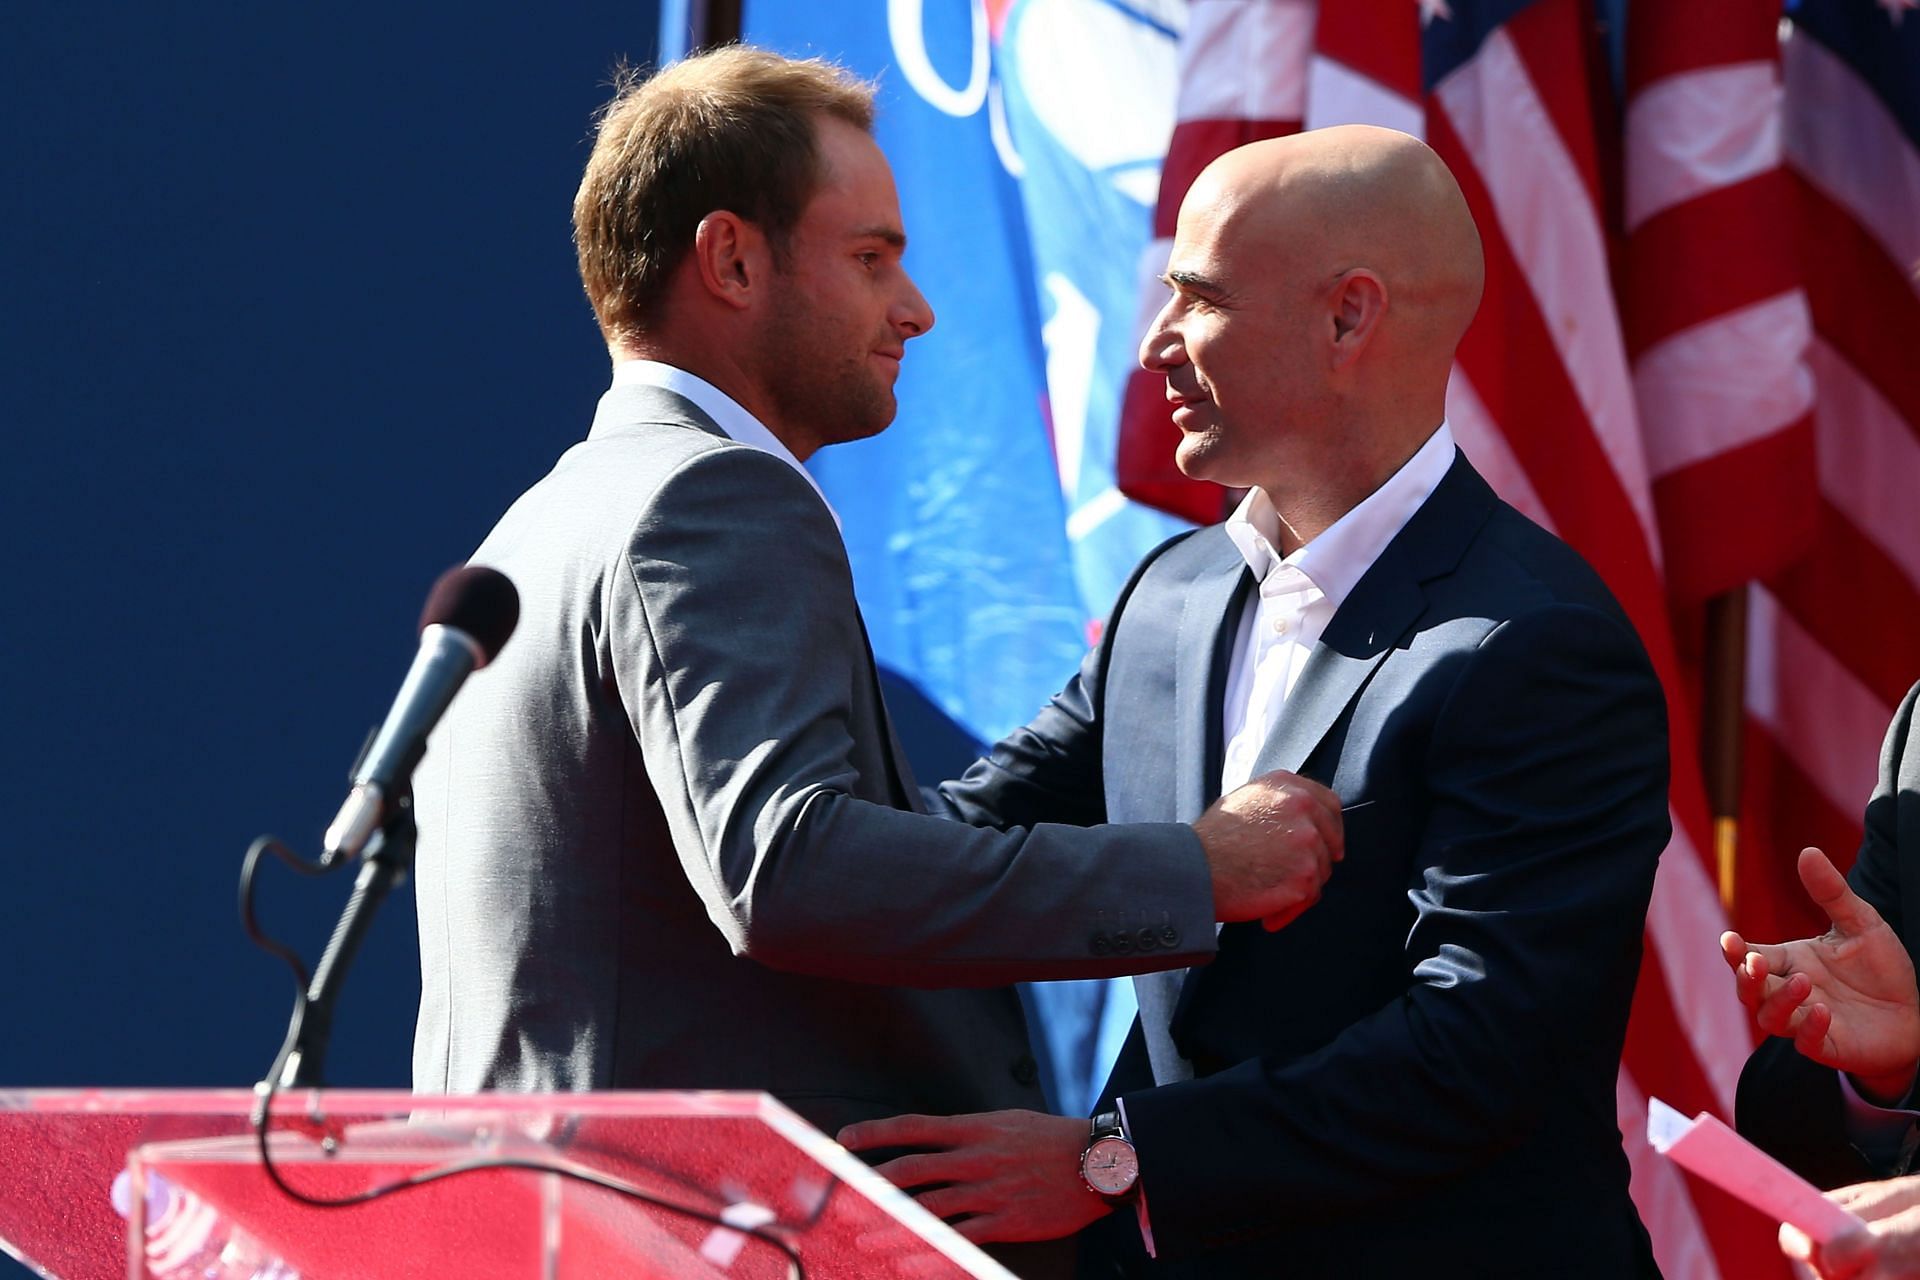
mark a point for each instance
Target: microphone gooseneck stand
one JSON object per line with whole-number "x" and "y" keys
{"x": 302, "y": 1060}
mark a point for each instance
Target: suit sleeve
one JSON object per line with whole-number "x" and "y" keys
{"x": 1051, "y": 769}
{"x": 741, "y": 662}
{"x": 1546, "y": 787}
{"x": 1787, "y": 1104}
{"x": 1048, "y": 770}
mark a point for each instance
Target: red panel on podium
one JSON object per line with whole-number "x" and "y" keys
{"x": 194, "y": 1193}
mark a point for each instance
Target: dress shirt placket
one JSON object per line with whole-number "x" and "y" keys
{"x": 1278, "y": 649}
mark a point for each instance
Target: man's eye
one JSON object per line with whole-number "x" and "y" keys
{"x": 868, "y": 259}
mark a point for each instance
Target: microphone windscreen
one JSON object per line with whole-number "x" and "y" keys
{"x": 477, "y": 600}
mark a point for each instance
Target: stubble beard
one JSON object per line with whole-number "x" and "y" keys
{"x": 1200, "y": 452}
{"x": 818, "y": 388}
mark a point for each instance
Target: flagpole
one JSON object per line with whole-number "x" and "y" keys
{"x": 1722, "y": 726}
{"x": 722, "y": 21}
{"x": 688, "y": 26}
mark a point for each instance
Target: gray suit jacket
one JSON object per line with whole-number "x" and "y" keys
{"x": 667, "y": 837}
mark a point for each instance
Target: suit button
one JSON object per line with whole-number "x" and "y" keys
{"x": 1169, "y": 937}
{"x": 1147, "y": 939}
{"x": 1026, "y": 1072}
{"x": 1123, "y": 942}
{"x": 1099, "y": 944}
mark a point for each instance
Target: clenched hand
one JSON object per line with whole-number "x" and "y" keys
{"x": 1271, "y": 845}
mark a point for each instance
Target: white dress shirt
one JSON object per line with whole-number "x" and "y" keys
{"x": 741, "y": 427}
{"x": 1298, "y": 595}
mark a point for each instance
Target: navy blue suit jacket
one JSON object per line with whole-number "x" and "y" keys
{"x": 1417, "y": 1076}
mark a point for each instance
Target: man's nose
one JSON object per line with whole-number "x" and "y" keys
{"x": 912, "y": 315}
{"x": 1161, "y": 348}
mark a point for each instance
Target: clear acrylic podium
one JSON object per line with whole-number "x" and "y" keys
{"x": 740, "y": 1157}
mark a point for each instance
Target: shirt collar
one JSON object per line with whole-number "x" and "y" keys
{"x": 1337, "y": 559}
{"x": 727, "y": 414}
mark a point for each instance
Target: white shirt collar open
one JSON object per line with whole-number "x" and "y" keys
{"x": 1340, "y": 556}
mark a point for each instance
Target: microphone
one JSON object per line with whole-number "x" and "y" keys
{"x": 469, "y": 615}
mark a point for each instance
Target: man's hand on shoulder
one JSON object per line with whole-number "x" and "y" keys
{"x": 1846, "y": 998}
{"x": 1271, "y": 845}
{"x": 1000, "y": 1177}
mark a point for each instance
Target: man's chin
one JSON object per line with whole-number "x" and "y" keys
{"x": 864, "y": 421}
{"x": 1197, "y": 458}
{"x": 878, "y": 416}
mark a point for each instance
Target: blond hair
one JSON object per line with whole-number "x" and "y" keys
{"x": 733, "y": 128}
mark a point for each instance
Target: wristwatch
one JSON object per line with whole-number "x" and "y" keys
{"x": 1109, "y": 1165}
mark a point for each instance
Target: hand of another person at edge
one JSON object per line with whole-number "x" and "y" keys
{"x": 1271, "y": 844}
{"x": 1886, "y": 1248}
{"x": 1000, "y": 1177}
{"x": 1847, "y": 998}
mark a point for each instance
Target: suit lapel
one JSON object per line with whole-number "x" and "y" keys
{"x": 624, "y": 408}
{"x": 1357, "y": 638}
{"x": 1209, "y": 621}
{"x": 1378, "y": 615}
{"x": 1203, "y": 647}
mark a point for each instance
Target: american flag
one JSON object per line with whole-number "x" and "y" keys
{"x": 1679, "y": 332}
{"x": 1835, "y": 637}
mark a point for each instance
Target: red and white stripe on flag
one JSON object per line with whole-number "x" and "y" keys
{"x": 1716, "y": 320}
{"x": 1834, "y": 640}
{"x": 1546, "y": 403}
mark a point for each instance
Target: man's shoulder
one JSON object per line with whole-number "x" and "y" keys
{"x": 1515, "y": 560}
{"x": 1482, "y": 567}
{"x": 615, "y": 487}
{"x": 647, "y": 451}
{"x": 618, "y": 475}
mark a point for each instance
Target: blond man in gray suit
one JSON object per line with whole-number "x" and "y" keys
{"x": 668, "y": 838}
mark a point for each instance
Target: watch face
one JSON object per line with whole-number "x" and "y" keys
{"x": 1110, "y": 1166}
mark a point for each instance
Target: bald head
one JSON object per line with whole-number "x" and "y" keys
{"x": 1356, "y": 196}
{"x": 1321, "y": 283}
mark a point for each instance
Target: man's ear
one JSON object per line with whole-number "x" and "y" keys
{"x": 1359, "y": 305}
{"x": 732, "y": 257}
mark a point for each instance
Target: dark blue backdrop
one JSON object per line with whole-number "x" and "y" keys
{"x": 288, "y": 314}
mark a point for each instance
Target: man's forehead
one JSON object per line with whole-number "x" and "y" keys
{"x": 856, "y": 182}
{"x": 848, "y": 152}
{"x": 1202, "y": 254}
{"x": 1239, "y": 237}
{"x": 1211, "y": 219}
{"x": 841, "y": 214}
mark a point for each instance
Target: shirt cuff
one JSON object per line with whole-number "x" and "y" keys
{"x": 1140, "y": 1200}
{"x": 1886, "y": 1136}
